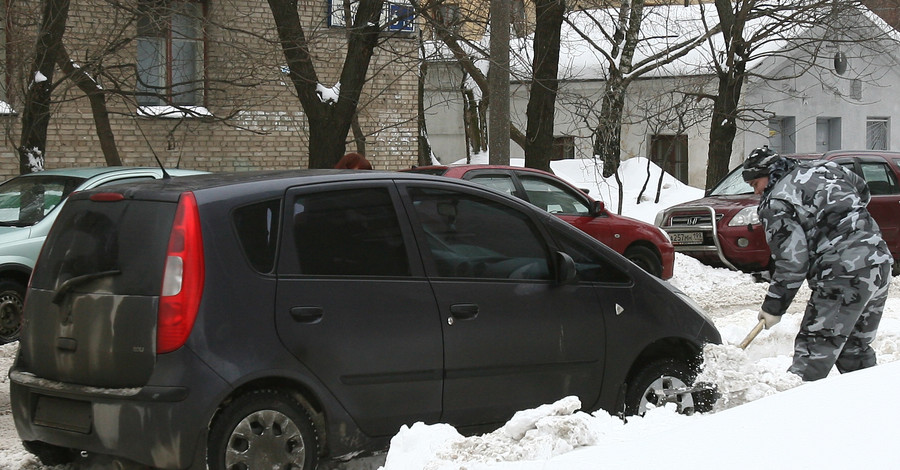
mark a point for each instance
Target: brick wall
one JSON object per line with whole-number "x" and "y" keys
{"x": 259, "y": 121}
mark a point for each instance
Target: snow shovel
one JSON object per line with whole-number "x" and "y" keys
{"x": 750, "y": 336}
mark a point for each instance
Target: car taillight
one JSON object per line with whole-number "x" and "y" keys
{"x": 183, "y": 277}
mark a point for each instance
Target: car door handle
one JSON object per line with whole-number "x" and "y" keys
{"x": 463, "y": 312}
{"x": 307, "y": 314}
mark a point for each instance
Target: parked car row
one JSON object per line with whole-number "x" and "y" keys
{"x": 278, "y": 319}
{"x": 724, "y": 229}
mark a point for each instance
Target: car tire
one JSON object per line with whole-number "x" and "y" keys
{"x": 49, "y": 454}
{"x": 645, "y": 258}
{"x": 262, "y": 429}
{"x": 12, "y": 298}
{"x": 659, "y": 377}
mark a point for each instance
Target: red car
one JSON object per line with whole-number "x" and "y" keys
{"x": 640, "y": 242}
{"x": 737, "y": 239}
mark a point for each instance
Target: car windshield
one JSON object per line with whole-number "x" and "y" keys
{"x": 25, "y": 201}
{"x": 732, "y": 184}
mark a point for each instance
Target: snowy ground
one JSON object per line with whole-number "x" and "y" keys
{"x": 766, "y": 419}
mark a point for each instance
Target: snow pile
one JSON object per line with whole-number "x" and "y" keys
{"x": 530, "y": 436}
{"x": 739, "y": 379}
{"x": 536, "y": 434}
{"x": 637, "y": 203}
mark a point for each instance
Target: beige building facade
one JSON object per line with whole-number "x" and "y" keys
{"x": 244, "y": 114}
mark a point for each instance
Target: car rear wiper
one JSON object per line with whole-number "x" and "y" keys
{"x": 77, "y": 280}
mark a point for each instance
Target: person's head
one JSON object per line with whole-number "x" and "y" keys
{"x": 757, "y": 167}
{"x": 353, "y": 161}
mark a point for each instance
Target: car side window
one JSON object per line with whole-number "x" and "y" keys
{"x": 352, "y": 232}
{"x": 552, "y": 197}
{"x": 502, "y": 183}
{"x": 590, "y": 265}
{"x": 257, "y": 229}
{"x": 474, "y": 237}
{"x": 880, "y": 178}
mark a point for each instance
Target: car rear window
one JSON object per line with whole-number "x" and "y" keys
{"x": 122, "y": 243}
{"x": 25, "y": 201}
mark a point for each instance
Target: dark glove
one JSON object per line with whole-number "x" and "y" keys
{"x": 771, "y": 320}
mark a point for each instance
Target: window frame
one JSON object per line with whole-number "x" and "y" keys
{"x": 287, "y": 258}
{"x": 167, "y": 96}
{"x": 676, "y": 159}
{"x": 884, "y": 124}
{"x": 429, "y": 260}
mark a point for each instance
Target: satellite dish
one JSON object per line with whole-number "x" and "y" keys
{"x": 840, "y": 62}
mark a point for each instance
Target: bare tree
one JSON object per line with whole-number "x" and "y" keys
{"x": 329, "y": 120}
{"x": 754, "y": 30}
{"x": 537, "y": 140}
{"x": 621, "y": 31}
{"x": 36, "y": 110}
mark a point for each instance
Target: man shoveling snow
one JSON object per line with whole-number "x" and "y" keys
{"x": 818, "y": 228}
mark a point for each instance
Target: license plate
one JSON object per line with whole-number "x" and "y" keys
{"x": 61, "y": 413}
{"x": 687, "y": 238}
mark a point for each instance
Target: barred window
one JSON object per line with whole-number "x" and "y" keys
{"x": 877, "y": 133}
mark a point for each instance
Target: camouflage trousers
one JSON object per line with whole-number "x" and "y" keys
{"x": 840, "y": 323}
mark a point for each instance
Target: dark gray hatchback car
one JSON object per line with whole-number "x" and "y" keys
{"x": 278, "y": 319}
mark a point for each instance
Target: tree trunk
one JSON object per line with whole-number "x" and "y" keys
{"x": 723, "y": 127}
{"x": 608, "y": 136}
{"x": 424, "y": 145}
{"x": 545, "y": 84}
{"x": 329, "y": 121}
{"x": 475, "y": 124}
{"x": 36, "y": 109}
{"x": 97, "y": 99}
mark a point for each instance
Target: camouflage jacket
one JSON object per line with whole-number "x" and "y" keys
{"x": 818, "y": 228}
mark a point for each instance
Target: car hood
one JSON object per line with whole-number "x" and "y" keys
{"x": 721, "y": 204}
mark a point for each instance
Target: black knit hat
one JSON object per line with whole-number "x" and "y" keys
{"x": 758, "y": 163}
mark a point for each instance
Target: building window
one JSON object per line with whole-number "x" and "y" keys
{"x": 447, "y": 15}
{"x": 396, "y": 16}
{"x": 877, "y": 137}
{"x": 170, "y": 53}
{"x": 563, "y": 148}
{"x": 670, "y": 152}
{"x": 783, "y": 134}
{"x": 828, "y": 134}
{"x": 856, "y": 89}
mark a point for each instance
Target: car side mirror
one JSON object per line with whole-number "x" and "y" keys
{"x": 598, "y": 208}
{"x": 565, "y": 269}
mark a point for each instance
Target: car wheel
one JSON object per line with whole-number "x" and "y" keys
{"x": 659, "y": 383}
{"x": 262, "y": 429}
{"x": 12, "y": 295}
{"x": 645, "y": 258}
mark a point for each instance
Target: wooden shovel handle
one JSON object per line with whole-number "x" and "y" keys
{"x": 755, "y": 331}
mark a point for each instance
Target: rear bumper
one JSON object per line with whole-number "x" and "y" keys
{"x": 157, "y": 425}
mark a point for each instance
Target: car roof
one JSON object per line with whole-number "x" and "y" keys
{"x": 90, "y": 172}
{"x": 265, "y": 180}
